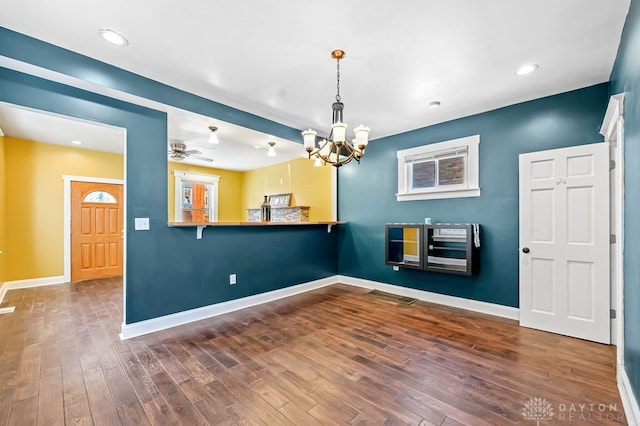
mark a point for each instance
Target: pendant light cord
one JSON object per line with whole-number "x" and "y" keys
{"x": 338, "y": 79}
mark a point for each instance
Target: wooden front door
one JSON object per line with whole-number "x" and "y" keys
{"x": 96, "y": 230}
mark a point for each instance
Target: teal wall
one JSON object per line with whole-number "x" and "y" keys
{"x": 626, "y": 78}
{"x": 168, "y": 270}
{"x": 367, "y": 201}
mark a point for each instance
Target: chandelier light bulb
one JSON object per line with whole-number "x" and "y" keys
{"x": 362, "y": 136}
{"x": 309, "y": 139}
{"x": 339, "y": 132}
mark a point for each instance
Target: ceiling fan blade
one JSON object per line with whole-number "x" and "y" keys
{"x": 198, "y": 157}
{"x": 192, "y": 151}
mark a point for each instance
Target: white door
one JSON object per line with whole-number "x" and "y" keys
{"x": 564, "y": 241}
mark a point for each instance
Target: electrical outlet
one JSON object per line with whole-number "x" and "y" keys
{"x": 232, "y": 279}
{"x": 396, "y": 268}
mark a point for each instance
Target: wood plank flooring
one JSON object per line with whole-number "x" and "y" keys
{"x": 333, "y": 356}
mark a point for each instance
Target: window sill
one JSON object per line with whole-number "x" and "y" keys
{"x": 436, "y": 195}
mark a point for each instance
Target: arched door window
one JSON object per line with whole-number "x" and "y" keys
{"x": 99, "y": 197}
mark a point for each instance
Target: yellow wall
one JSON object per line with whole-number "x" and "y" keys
{"x": 34, "y": 242}
{"x": 2, "y": 210}
{"x": 229, "y": 191}
{"x": 32, "y": 204}
{"x": 311, "y": 186}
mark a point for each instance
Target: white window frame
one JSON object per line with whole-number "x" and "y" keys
{"x": 440, "y": 150}
{"x": 211, "y": 180}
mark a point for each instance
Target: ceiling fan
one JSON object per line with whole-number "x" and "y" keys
{"x": 178, "y": 152}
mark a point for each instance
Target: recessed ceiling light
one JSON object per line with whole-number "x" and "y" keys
{"x": 113, "y": 37}
{"x": 76, "y": 142}
{"x": 527, "y": 69}
{"x": 434, "y": 104}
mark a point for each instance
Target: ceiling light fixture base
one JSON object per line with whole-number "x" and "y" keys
{"x": 338, "y": 54}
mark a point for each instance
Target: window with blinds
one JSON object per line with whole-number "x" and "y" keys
{"x": 441, "y": 170}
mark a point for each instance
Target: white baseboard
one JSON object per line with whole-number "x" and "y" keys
{"x": 629, "y": 401}
{"x": 440, "y": 299}
{"x": 161, "y": 323}
{"x": 34, "y": 282}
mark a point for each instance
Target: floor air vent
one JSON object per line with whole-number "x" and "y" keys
{"x": 393, "y": 297}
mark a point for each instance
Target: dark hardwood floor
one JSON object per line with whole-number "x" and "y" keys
{"x": 333, "y": 356}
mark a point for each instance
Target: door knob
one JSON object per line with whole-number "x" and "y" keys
{"x": 525, "y": 250}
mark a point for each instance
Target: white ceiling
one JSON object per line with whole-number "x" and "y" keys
{"x": 28, "y": 124}
{"x": 272, "y": 58}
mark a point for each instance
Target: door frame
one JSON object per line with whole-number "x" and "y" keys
{"x": 613, "y": 131}
{"x": 67, "y": 219}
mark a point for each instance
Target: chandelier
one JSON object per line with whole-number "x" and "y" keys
{"x": 337, "y": 150}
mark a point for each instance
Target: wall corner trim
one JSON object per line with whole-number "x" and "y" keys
{"x": 629, "y": 401}
{"x": 172, "y": 320}
{"x": 33, "y": 282}
{"x": 440, "y": 299}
